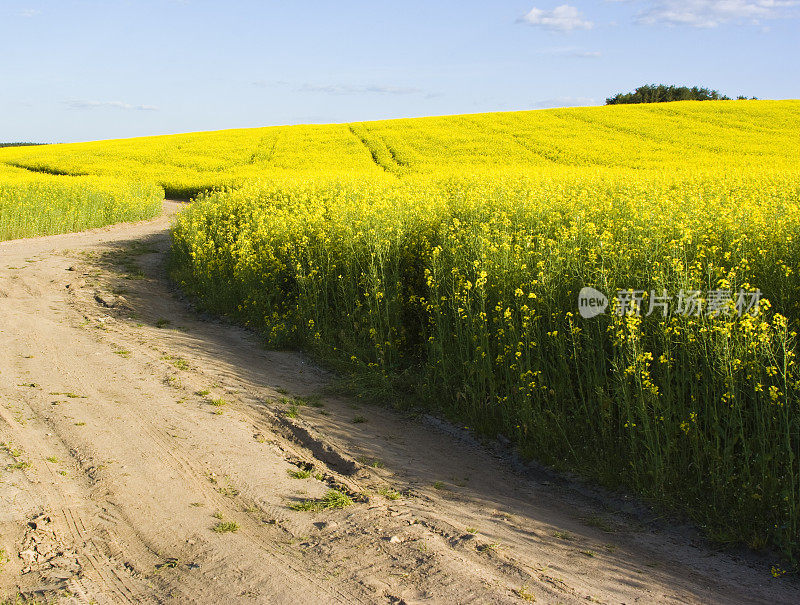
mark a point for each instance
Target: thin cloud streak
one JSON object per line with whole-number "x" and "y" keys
{"x": 713, "y": 13}
{"x": 570, "y": 51}
{"x": 81, "y": 104}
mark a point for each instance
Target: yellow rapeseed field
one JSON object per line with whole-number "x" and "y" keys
{"x": 33, "y": 204}
{"x": 439, "y": 261}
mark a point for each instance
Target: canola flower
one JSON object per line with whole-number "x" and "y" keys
{"x": 440, "y": 259}
{"x": 40, "y": 204}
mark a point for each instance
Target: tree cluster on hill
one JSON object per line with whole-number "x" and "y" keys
{"x": 20, "y": 144}
{"x": 661, "y": 93}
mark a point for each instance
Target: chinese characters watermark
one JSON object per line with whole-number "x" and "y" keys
{"x": 711, "y": 303}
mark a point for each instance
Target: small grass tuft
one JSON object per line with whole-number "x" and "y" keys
{"x": 373, "y": 462}
{"x": 177, "y": 362}
{"x": 332, "y": 500}
{"x": 70, "y": 395}
{"x": 13, "y": 451}
{"x": 19, "y": 465}
{"x": 224, "y": 527}
{"x": 523, "y": 594}
{"x": 174, "y": 381}
{"x": 388, "y": 493}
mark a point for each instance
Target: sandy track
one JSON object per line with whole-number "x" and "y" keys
{"x": 116, "y": 466}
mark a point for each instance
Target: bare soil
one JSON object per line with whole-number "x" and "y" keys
{"x": 132, "y": 427}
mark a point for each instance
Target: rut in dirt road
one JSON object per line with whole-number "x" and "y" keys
{"x": 151, "y": 454}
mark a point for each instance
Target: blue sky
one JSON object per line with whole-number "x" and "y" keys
{"x": 76, "y": 70}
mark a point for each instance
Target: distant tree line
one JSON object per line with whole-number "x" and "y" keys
{"x": 20, "y": 144}
{"x": 661, "y": 93}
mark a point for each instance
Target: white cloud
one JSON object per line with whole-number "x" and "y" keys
{"x": 562, "y": 18}
{"x": 585, "y": 54}
{"x": 109, "y": 105}
{"x": 571, "y": 51}
{"x": 29, "y": 13}
{"x": 564, "y": 102}
{"x": 712, "y": 13}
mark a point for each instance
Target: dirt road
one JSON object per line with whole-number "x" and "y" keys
{"x": 151, "y": 455}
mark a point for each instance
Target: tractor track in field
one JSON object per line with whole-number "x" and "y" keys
{"x": 132, "y": 426}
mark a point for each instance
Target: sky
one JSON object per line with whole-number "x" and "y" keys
{"x": 79, "y": 70}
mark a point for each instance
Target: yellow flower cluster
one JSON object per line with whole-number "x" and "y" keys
{"x": 33, "y": 204}
{"x": 734, "y": 137}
